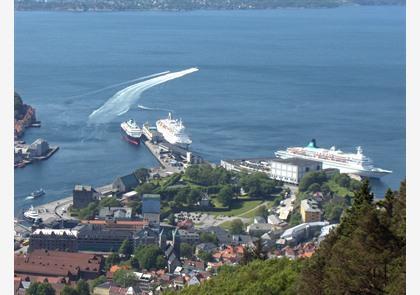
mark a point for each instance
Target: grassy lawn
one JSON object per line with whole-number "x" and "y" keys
{"x": 238, "y": 207}
{"x": 226, "y": 225}
{"x": 339, "y": 190}
{"x": 251, "y": 214}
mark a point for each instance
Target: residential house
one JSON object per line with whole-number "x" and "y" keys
{"x": 126, "y": 183}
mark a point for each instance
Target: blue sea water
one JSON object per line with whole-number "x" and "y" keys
{"x": 268, "y": 80}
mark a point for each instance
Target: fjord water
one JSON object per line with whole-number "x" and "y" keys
{"x": 267, "y": 80}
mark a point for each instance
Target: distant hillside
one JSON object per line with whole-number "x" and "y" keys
{"x": 101, "y": 5}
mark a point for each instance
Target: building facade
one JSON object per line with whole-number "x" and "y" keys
{"x": 53, "y": 239}
{"x": 292, "y": 170}
{"x": 310, "y": 211}
{"x": 83, "y": 195}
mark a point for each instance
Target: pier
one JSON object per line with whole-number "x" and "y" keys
{"x": 172, "y": 158}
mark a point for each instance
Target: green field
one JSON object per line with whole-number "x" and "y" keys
{"x": 238, "y": 207}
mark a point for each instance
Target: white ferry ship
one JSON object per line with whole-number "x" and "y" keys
{"x": 32, "y": 214}
{"x": 353, "y": 163}
{"x": 173, "y": 131}
{"x": 132, "y": 132}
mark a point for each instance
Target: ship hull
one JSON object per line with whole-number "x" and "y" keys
{"x": 129, "y": 138}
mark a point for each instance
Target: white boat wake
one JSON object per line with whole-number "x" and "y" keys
{"x": 124, "y": 99}
{"x": 144, "y": 108}
{"x": 115, "y": 85}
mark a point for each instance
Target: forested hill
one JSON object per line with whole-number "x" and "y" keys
{"x": 105, "y": 5}
{"x": 364, "y": 255}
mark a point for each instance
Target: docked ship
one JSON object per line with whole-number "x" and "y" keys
{"x": 32, "y": 214}
{"x": 36, "y": 194}
{"x": 352, "y": 163}
{"x": 132, "y": 132}
{"x": 173, "y": 131}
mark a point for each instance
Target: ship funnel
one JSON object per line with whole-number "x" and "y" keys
{"x": 312, "y": 143}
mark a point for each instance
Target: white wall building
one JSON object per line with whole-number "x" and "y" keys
{"x": 292, "y": 170}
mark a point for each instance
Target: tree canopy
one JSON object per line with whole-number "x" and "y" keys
{"x": 236, "y": 227}
{"x": 274, "y": 276}
{"x": 258, "y": 185}
{"x": 124, "y": 278}
{"x": 37, "y": 288}
{"x": 150, "y": 256}
{"x": 225, "y": 195}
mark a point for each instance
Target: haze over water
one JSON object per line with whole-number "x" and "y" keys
{"x": 268, "y": 80}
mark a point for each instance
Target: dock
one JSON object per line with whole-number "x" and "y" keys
{"x": 172, "y": 158}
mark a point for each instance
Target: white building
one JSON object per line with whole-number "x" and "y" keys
{"x": 292, "y": 170}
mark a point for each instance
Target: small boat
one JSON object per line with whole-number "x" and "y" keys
{"x": 36, "y": 194}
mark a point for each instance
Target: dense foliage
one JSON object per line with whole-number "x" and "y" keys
{"x": 366, "y": 254}
{"x": 37, "y": 288}
{"x": 81, "y": 288}
{"x": 150, "y": 256}
{"x": 207, "y": 175}
{"x": 124, "y": 278}
{"x": 258, "y": 185}
{"x": 186, "y": 250}
{"x": 236, "y": 227}
{"x": 225, "y": 195}
{"x": 277, "y": 276}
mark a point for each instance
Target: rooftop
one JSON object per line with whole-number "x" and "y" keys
{"x": 56, "y": 263}
{"x": 59, "y": 232}
{"x": 309, "y": 205}
{"x": 80, "y": 187}
{"x": 151, "y": 203}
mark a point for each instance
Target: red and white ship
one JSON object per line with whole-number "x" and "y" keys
{"x": 132, "y": 132}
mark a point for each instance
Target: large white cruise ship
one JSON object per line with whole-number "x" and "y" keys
{"x": 173, "y": 131}
{"x": 132, "y": 131}
{"x": 354, "y": 163}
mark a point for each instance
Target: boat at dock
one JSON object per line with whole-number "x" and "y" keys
{"x": 36, "y": 194}
{"x": 31, "y": 214}
{"x": 173, "y": 130}
{"x": 132, "y": 132}
{"x": 351, "y": 163}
